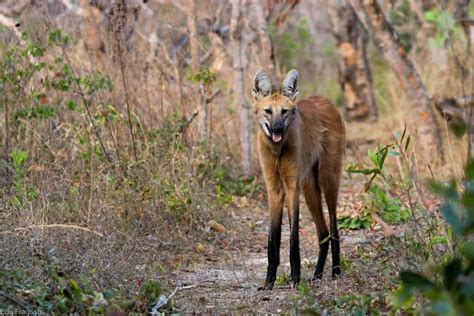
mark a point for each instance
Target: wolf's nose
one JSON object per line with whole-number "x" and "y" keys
{"x": 278, "y": 129}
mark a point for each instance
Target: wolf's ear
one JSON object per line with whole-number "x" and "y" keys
{"x": 289, "y": 88}
{"x": 262, "y": 85}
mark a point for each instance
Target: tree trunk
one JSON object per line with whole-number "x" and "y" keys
{"x": 461, "y": 15}
{"x": 386, "y": 40}
{"x": 238, "y": 86}
{"x": 267, "y": 59}
{"x": 193, "y": 39}
{"x": 194, "y": 44}
{"x": 354, "y": 71}
{"x": 91, "y": 36}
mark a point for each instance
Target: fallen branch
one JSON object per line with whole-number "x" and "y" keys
{"x": 52, "y": 226}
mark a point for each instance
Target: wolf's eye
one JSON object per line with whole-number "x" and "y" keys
{"x": 284, "y": 111}
{"x": 268, "y": 111}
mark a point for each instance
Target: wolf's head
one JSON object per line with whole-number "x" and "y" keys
{"x": 275, "y": 108}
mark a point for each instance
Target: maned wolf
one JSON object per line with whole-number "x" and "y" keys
{"x": 300, "y": 145}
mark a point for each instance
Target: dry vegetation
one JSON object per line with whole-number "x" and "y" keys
{"x": 116, "y": 189}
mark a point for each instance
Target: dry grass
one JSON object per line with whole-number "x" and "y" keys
{"x": 143, "y": 215}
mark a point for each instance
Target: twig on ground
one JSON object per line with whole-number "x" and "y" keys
{"x": 387, "y": 229}
{"x": 187, "y": 287}
{"x": 51, "y": 226}
{"x": 15, "y": 301}
{"x": 162, "y": 301}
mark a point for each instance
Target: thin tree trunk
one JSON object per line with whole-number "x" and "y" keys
{"x": 354, "y": 70}
{"x": 92, "y": 39}
{"x": 386, "y": 40}
{"x": 193, "y": 39}
{"x": 267, "y": 61}
{"x": 238, "y": 86}
{"x": 7, "y": 127}
{"x": 204, "y": 111}
{"x": 462, "y": 16}
{"x": 194, "y": 44}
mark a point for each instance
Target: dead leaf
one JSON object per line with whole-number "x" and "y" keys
{"x": 35, "y": 168}
{"x": 215, "y": 226}
{"x": 424, "y": 115}
{"x": 43, "y": 99}
{"x": 387, "y": 229}
{"x": 200, "y": 248}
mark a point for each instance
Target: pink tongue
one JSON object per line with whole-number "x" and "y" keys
{"x": 276, "y": 137}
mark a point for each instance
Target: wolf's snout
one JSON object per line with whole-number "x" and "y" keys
{"x": 278, "y": 128}
{"x": 277, "y": 131}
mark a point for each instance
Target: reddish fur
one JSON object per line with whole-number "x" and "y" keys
{"x": 309, "y": 157}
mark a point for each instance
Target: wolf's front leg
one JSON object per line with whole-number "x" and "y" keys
{"x": 292, "y": 192}
{"x": 275, "y": 203}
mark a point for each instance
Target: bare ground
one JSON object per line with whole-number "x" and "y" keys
{"x": 229, "y": 278}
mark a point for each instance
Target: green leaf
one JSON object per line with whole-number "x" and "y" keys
{"x": 19, "y": 157}
{"x": 373, "y": 157}
{"x": 325, "y": 240}
{"x": 355, "y": 223}
{"x": 407, "y": 143}
{"x": 441, "y": 308}
{"x": 382, "y": 154}
{"x": 76, "y": 290}
{"x": 467, "y": 250}
{"x": 415, "y": 280}
{"x": 438, "y": 240}
{"x": 436, "y": 187}
{"x": 71, "y": 105}
{"x": 403, "y": 134}
{"x": 432, "y": 15}
{"x": 452, "y": 218}
{"x": 403, "y": 296}
{"x": 469, "y": 173}
{"x": 468, "y": 288}
{"x": 353, "y": 168}
{"x": 451, "y": 273}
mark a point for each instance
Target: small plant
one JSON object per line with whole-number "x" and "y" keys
{"x": 60, "y": 293}
{"x": 381, "y": 186}
{"x": 227, "y": 187}
{"x": 354, "y": 222}
{"x": 391, "y": 209}
{"x": 150, "y": 290}
{"x": 204, "y": 76}
{"x": 444, "y": 25}
{"x": 22, "y": 191}
{"x": 282, "y": 279}
{"x": 449, "y": 291}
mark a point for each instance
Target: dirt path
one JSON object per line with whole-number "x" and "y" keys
{"x": 229, "y": 277}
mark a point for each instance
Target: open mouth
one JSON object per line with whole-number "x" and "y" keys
{"x": 276, "y": 137}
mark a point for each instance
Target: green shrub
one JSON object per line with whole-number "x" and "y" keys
{"x": 450, "y": 288}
